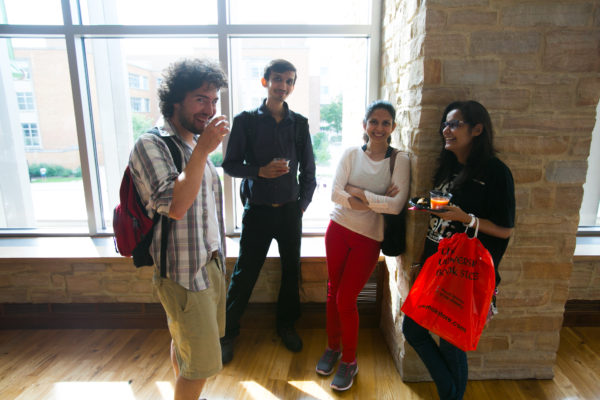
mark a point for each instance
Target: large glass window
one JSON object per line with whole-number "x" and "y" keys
{"x": 589, "y": 214}
{"x": 31, "y": 12}
{"x": 149, "y": 12}
{"x": 330, "y": 12}
{"x": 120, "y": 115}
{"x": 41, "y": 185}
{"x": 330, "y": 91}
{"x": 76, "y": 95}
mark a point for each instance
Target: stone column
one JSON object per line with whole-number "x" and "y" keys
{"x": 535, "y": 66}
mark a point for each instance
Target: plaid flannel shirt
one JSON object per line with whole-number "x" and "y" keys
{"x": 189, "y": 247}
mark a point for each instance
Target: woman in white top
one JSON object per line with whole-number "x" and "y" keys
{"x": 362, "y": 190}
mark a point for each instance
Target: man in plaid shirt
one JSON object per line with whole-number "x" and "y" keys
{"x": 193, "y": 292}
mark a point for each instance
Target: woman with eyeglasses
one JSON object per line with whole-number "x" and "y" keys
{"x": 482, "y": 189}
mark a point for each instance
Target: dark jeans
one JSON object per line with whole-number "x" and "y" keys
{"x": 260, "y": 225}
{"x": 446, "y": 363}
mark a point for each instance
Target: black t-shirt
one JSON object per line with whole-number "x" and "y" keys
{"x": 491, "y": 196}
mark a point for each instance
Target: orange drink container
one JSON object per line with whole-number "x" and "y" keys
{"x": 438, "y": 199}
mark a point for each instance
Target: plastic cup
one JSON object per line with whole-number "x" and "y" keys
{"x": 287, "y": 162}
{"x": 439, "y": 199}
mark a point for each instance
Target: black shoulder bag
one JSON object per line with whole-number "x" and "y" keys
{"x": 394, "y": 231}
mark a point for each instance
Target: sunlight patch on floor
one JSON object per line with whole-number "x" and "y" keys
{"x": 258, "y": 392}
{"x": 312, "y": 389}
{"x": 92, "y": 391}
{"x": 166, "y": 390}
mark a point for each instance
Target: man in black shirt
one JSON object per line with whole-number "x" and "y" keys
{"x": 267, "y": 148}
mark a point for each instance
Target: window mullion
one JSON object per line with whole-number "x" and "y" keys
{"x": 226, "y": 107}
{"x": 373, "y": 66}
{"x": 89, "y": 169}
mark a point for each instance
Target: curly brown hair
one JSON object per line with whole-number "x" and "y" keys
{"x": 186, "y": 76}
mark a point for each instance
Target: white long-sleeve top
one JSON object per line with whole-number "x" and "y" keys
{"x": 357, "y": 169}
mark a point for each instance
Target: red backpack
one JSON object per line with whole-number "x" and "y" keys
{"x": 133, "y": 228}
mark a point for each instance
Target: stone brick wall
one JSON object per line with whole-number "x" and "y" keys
{"x": 535, "y": 66}
{"x": 585, "y": 280}
{"x": 116, "y": 280}
{"x": 110, "y": 280}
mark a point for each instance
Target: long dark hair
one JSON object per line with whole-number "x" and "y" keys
{"x": 482, "y": 150}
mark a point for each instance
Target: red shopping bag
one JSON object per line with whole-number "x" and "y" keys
{"x": 452, "y": 294}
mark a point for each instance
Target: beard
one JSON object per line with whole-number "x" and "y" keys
{"x": 188, "y": 124}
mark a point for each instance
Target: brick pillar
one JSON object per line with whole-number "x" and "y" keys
{"x": 535, "y": 67}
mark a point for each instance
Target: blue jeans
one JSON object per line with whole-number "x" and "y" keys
{"x": 446, "y": 363}
{"x": 260, "y": 225}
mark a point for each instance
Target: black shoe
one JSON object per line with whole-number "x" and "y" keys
{"x": 226, "y": 350}
{"x": 290, "y": 338}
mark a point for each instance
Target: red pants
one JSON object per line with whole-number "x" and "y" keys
{"x": 351, "y": 259}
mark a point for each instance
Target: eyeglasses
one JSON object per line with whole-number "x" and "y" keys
{"x": 452, "y": 124}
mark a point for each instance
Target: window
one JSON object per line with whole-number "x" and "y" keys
{"x": 44, "y": 191}
{"x": 134, "y": 81}
{"x": 25, "y": 101}
{"x": 90, "y": 86}
{"x": 589, "y": 214}
{"x": 148, "y": 12}
{"x": 140, "y": 105}
{"x": 113, "y": 128}
{"x": 138, "y": 81}
{"x": 47, "y": 12}
{"x": 346, "y": 57}
{"x": 330, "y": 12}
{"x": 21, "y": 70}
{"x": 31, "y": 134}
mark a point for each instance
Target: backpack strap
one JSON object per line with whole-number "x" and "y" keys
{"x": 250, "y": 123}
{"x": 165, "y": 220}
{"x": 300, "y": 131}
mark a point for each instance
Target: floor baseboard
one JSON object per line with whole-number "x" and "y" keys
{"x": 257, "y": 315}
{"x": 148, "y": 316}
{"x": 582, "y": 313}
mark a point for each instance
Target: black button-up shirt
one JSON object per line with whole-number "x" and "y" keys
{"x": 270, "y": 139}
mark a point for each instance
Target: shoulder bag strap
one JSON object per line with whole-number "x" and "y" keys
{"x": 393, "y": 160}
{"x": 165, "y": 220}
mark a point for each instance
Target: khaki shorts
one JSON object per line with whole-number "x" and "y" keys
{"x": 196, "y": 322}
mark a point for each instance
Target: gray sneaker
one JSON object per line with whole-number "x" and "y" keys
{"x": 327, "y": 361}
{"x": 344, "y": 376}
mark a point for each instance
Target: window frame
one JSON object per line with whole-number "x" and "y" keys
{"x": 74, "y": 35}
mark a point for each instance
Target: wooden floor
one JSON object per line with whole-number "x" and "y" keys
{"x": 133, "y": 364}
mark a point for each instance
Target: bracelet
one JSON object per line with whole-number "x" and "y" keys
{"x": 472, "y": 221}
